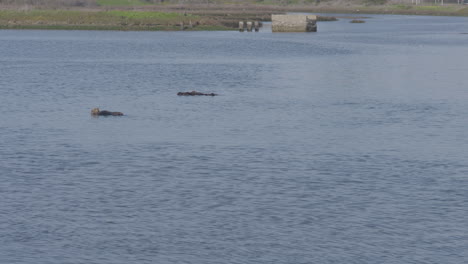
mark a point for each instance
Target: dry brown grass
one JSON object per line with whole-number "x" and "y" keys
{"x": 49, "y": 3}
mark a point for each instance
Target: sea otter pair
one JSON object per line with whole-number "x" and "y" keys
{"x": 97, "y": 112}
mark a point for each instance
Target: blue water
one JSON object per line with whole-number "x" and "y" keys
{"x": 348, "y": 145}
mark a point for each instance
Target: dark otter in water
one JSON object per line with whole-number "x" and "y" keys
{"x": 193, "y": 93}
{"x": 97, "y": 112}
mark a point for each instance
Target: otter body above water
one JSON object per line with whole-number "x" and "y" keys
{"x": 97, "y": 112}
{"x": 193, "y": 93}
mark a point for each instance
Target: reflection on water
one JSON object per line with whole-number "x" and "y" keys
{"x": 344, "y": 146}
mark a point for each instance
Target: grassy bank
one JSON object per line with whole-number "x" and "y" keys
{"x": 429, "y": 10}
{"x": 104, "y": 20}
{"x": 140, "y": 15}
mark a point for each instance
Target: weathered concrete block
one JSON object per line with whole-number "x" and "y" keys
{"x": 294, "y": 23}
{"x": 249, "y": 26}
{"x": 241, "y": 26}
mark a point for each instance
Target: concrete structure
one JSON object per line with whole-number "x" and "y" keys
{"x": 256, "y": 26}
{"x": 294, "y": 23}
{"x": 241, "y": 26}
{"x": 249, "y": 26}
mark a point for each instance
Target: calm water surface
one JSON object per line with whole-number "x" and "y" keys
{"x": 345, "y": 146}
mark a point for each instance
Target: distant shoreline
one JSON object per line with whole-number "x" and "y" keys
{"x": 189, "y": 17}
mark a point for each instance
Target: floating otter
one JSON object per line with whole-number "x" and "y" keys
{"x": 193, "y": 93}
{"x": 97, "y": 112}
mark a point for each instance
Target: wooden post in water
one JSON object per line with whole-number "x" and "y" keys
{"x": 182, "y": 25}
{"x": 256, "y": 26}
{"x": 190, "y": 24}
{"x": 241, "y": 26}
{"x": 249, "y": 26}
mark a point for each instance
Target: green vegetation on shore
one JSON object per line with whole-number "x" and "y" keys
{"x": 164, "y": 15}
{"x": 121, "y": 2}
{"x": 103, "y": 20}
{"x": 450, "y": 10}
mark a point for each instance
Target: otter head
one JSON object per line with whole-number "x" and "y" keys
{"x": 95, "y": 111}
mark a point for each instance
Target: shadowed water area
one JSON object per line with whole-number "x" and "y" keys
{"x": 344, "y": 146}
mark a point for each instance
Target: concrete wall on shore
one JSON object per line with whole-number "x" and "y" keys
{"x": 293, "y": 23}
